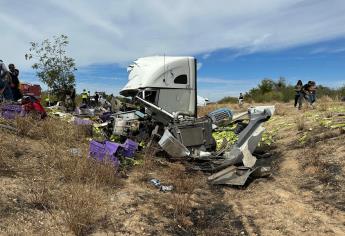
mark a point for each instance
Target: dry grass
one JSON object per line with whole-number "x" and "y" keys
{"x": 315, "y": 164}
{"x": 57, "y": 181}
{"x": 329, "y": 114}
{"x": 144, "y": 170}
{"x": 40, "y": 196}
{"x": 325, "y": 136}
{"x": 185, "y": 186}
{"x": 280, "y": 109}
{"x": 51, "y": 130}
{"x": 324, "y": 103}
{"x": 300, "y": 123}
{"x": 83, "y": 207}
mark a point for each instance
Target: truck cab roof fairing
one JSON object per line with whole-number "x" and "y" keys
{"x": 157, "y": 72}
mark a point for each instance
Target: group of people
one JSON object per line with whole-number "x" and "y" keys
{"x": 9, "y": 82}
{"x": 305, "y": 92}
{"x": 87, "y": 99}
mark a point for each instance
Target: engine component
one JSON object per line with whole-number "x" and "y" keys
{"x": 195, "y": 133}
{"x": 221, "y": 117}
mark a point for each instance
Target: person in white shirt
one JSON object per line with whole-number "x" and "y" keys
{"x": 5, "y": 89}
{"x": 3, "y": 69}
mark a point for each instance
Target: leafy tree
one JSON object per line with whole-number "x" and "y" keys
{"x": 53, "y": 67}
{"x": 280, "y": 91}
{"x": 266, "y": 85}
{"x": 281, "y": 83}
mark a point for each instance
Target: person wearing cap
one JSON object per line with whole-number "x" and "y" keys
{"x": 14, "y": 84}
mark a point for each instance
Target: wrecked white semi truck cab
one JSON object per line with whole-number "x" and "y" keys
{"x": 167, "y": 88}
{"x": 166, "y": 83}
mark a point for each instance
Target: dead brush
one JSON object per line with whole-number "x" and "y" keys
{"x": 25, "y": 125}
{"x": 329, "y": 114}
{"x": 323, "y": 106}
{"x": 183, "y": 182}
{"x": 9, "y": 152}
{"x": 51, "y": 130}
{"x": 185, "y": 186}
{"x": 181, "y": 209}
{"x": 314, "y": 163}
{"x": 40, "y": 196}
{"x": 323, "y": 137}
{"x": 300, "y": 123}
{"x": 59, "y": 161}
{"x": 280, "y": 109}
{"x": 62, "y": 132}
{"x": 83, "y": 208}
{"x": 144, "y": 170}
{"x": 87, "y": 170}
{"x": 324, "y": 103}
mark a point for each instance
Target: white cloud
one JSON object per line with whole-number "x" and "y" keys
{"x": 206, "y": 55}
{"x": 198, "y": 65}
{"x": 111, "y": 31}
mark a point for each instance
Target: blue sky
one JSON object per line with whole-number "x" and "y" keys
{"x": 237, "y": 43}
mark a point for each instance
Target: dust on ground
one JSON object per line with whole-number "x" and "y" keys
{"x": 47, "y": 190}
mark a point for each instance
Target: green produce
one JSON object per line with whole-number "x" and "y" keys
{"x": 229, "y": 135}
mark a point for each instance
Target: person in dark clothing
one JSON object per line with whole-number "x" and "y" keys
{"x": 96, "y": 99}
{"x": 298, "y": 95}
{"x": 309, "y": 91}
{"x": 73, "y": 95}
{"x": 14, "y": 84}
{"x": 312, "y": 92}
{"x": 240, "y": 100}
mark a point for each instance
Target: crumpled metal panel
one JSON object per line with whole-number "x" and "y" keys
{"x": 172, "y": 146}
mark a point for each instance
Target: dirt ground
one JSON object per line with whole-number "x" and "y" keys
{"x": 46, "y": 190}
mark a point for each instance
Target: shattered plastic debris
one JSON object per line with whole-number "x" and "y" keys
{"x": 163, "y": 188}
{"x": 166, "y": 188}
{"x": 155, "y": 182}
{"x": 75, "y": 152}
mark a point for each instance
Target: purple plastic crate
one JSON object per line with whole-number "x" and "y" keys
{"x": 130, "y": 147}
{"x": 11, "y": 111}
{"x": 79, "y": 121}
{"x": 100, "y": 150}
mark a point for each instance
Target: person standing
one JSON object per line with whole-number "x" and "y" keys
{"x": 240, "y": 100}
{"x": 88, "y": 98}
{"x": 5, "y": 79}
{"x": 84, "y": 96}
{"x": 73, "y": 95}
{"x": 3, "y": 69}
{"x": 47, "y": 101}
{"x": 312, "y": 92}
{"x": 298, "y": 95}
{"x": 14, "y": 73}
{"x": 309, "y": 92}
{"x": 96, "y": 98}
